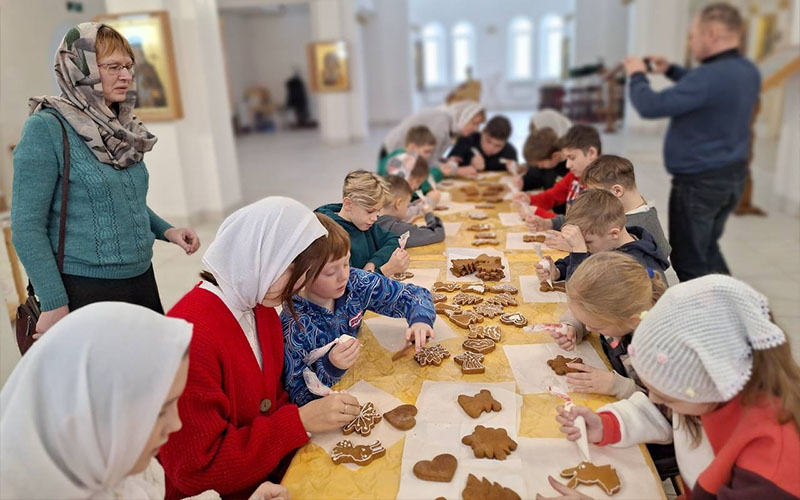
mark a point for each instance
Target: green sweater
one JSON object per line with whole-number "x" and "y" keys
{"x": 110, "y": 230}
{"x": 435, "y": 172}
{"x": 374, "y": 245}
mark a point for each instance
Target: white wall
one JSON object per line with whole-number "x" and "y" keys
{"x": 600, "y": 32}
{"x": 490, "y": 21}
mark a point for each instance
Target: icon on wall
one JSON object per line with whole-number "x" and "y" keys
{"x": 328, "y": 66}
{"x": 158, "y": 96}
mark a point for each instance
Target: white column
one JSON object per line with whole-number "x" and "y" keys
{"x": 193, "y": 167}
{"x": 342, "y": 115}
{"x": 656, "y": 27}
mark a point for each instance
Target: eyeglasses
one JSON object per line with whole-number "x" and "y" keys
{"x": 115, "y": 68}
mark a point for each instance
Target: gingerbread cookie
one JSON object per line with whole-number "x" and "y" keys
{"x": 488, "y": 442}
{"x": 517, "y": 319}
{"x": 466, "y": 299}
{"x": 502, "y": 299}
{"x": 482, "y": 346}
{"x": 558, "y": 286}
{"x": 443, "y": 308}
{"x": 605, "y": 476}
{"x": 445, "y": 286}
{"x": 491, "y": 332}
{"x": 402, "y": 276}
{"x": 440, "y": 208}
{"x": 479, "y": 403}
{"x": 466, "y": 318}
{"x": 402, "y": 417}
{"x": 471, "y": 362}
{"x": 489, "y": 310}
{"x": 533, "y": 238}
{"x": 486, "y": 235}
{"x": 488, "y": 260}
{"x": 470, "y": 190}
{"x": 485, "y": 205}
{"x": 345, "y": 453}
{"x": 559, "y": 364}
{"x": 478, "y": 215}
{"x": 473, "y": 287}
{"x": 438, "y": 297}
{"x": 487, "y": 490}
{"x": 432, "y": 355}
{"x": 479, "y": 227}
{"x": 484, "y": 241}
{"x": 442, "y": 468}
{"x": 492, "y": 200}
{"x": 503, "y": 289}
{"x": 490, "y": 274}
{"x": 366, "y": 420}
{"x": 462, "y": 267}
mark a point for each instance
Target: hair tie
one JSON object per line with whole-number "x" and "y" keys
{"x": 651, "y": 273}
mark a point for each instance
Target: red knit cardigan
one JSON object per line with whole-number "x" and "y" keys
{"x": 232, "y": 438}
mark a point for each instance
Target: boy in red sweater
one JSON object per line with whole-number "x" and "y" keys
{"x": 581, "y": 146}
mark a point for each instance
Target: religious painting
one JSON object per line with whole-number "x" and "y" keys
{"x": 328, "y": 66}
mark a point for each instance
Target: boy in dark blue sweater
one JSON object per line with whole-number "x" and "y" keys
{"x": 708, "y": 140}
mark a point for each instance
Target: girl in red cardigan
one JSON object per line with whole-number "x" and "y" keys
{"x": 238, "y": 424}
{"x": 710, "y": 352}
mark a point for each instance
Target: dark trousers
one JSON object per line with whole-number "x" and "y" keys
{"x": 140, "y": 290}
{"x": 699, "y": 206}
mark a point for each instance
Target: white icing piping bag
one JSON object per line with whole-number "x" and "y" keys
{"x": 544, "y": 262}
{"x": 580, "y": 423}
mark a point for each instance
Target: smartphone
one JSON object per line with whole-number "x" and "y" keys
{"x": 648, "y": 64}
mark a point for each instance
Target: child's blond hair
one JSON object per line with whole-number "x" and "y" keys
{"x": 596, "y": 211}
{"x": 366, "y": 189}
{"x": 614, "y": 287}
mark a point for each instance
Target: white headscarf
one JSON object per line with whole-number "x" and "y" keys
{"x": 79, "y": 407}
{"x": 462, "y": 112}
{"x": 256, "y": 244}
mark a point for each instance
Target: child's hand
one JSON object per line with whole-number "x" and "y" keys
{"x": 594, "y": 426}
{"x": 478, "y": 162}
{"x": 556, "y": 241}
{"x": 537, "y": 224}
{"x": 572, "y": 234}
{"x": 343, "y": 355}
{"x": 521, "y": 198}
{"x": 370, "y": 267}
{"x": 544, "y": 274}
{"x": 435, "y": 195}
{"x": 590, "y": 379}
{"x": 517, "y": 182}
{"x": 426, "y": 207}
{"x": 270, "y": 491}
{"x": 565, "y": 493}
{"x": 330, "y": 412}
{"x": 450, "y": 167}
{"x": 564, "y": 337}
{"x": 397, "y": 263}
{"x": 420, "y": 332}
{"x": 468, "y": 171}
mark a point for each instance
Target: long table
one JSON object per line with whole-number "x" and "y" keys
{"x": 312, "y": 474}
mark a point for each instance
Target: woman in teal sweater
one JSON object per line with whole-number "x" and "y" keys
{"x": 109, "y": 228}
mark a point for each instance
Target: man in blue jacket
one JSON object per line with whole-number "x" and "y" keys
{"x": 708, "y": 139}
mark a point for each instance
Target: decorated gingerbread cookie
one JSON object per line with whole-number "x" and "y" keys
{"x": 479, "y": 227}
{"x": 488, "y": 442}
{"x": 443, "y": 308}
{"x": 533, "y": 238}
{"x": 604, "y": 476}
{"x": 502, "y": 299}
{"x": 558, "y": 286}
{"x": 504, "y": 289}
{"x": 559, "y": 364}
{"x": 402, "y": 417}
{"x": 484, "y": 489}
{"x": 402, "y": 276}
{"x": 366, "y": 420}
{"x": 471, "y": 362}
{"x": 491, "y": 332}
{"x": 466, "y": 299}
{"x": 483, "y": 346}
{"x": 442, "y": 468}
{"x": 477, "y": 242}
{"x": 445, "y": 286}
{"x": 478, "y": 215}
{"x": 473, "y": 288}
{"x": 432, "y": 354}
{"x": 517, "y": 319}
{"x": 487, "y": 235}
{"x": 479, "y": 403}
{"x": 465, "y": 318}
{"x": 345, "y": 453}
{"x": 438, "y": 297}
{"x": 489, "y": 310}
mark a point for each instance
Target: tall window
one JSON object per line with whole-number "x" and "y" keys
{"x": 463, "y": 51}
{"x": 433, "y": 54}
{"x": 552, "y": 37}
{"x": 520, "y": 45}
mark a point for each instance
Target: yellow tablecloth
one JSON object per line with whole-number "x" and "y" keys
{"x": 312, "y": 474}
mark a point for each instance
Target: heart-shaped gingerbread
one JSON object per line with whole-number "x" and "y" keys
{"x": 442, "y": 468}
{"x": 402, "y": 417}
{"x": 517, "y": 319}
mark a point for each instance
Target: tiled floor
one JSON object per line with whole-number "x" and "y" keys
{"x": 765, "y": 252}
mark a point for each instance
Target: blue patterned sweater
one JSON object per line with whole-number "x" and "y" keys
{"x": 318, "y": 326}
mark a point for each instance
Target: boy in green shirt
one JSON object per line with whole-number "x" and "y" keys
{"x": 420, "y": 142}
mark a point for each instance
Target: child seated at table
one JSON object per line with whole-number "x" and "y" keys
{"x": 419, "y": 143}
{"x": 332, "y": 304}
{"x": 596, "y": 223}
{"x": 396, "y": 210}
{"x": 415, "y": 170}
{"x": 545, "y": 161}
{"x": 372, "y": 248}
{"x": 710, "y": 352}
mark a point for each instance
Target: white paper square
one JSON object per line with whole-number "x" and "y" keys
{"x": 438, "y": 404}
{"x": 529, "y": 288}
{"x": 451, "y": 228}
{"x": 471, "y": 253}
{"x": 390, "y": 332}
{"x": 383, "y": 431}
{"x": 533, "y": 374}
{"x": 425, "y": 441}
{"x": 510, "y": 219}
{"x": 423, "y": 277}
{"x": 514, "y": 242}
{"x": 549, "y": 456}
{"x": 454, "y": 207}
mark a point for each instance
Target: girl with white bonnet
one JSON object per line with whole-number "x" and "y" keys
{"x": 710, "y": 352}
{"x": 87, "y": 408}
{"x": 239, "y": 427}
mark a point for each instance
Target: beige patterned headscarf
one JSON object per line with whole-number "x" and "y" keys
{"x": 119, "y": 139}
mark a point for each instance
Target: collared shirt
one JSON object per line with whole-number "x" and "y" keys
{"x": 246, "y": 319}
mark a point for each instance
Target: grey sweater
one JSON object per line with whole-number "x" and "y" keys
{"x": 432, "y": 233}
